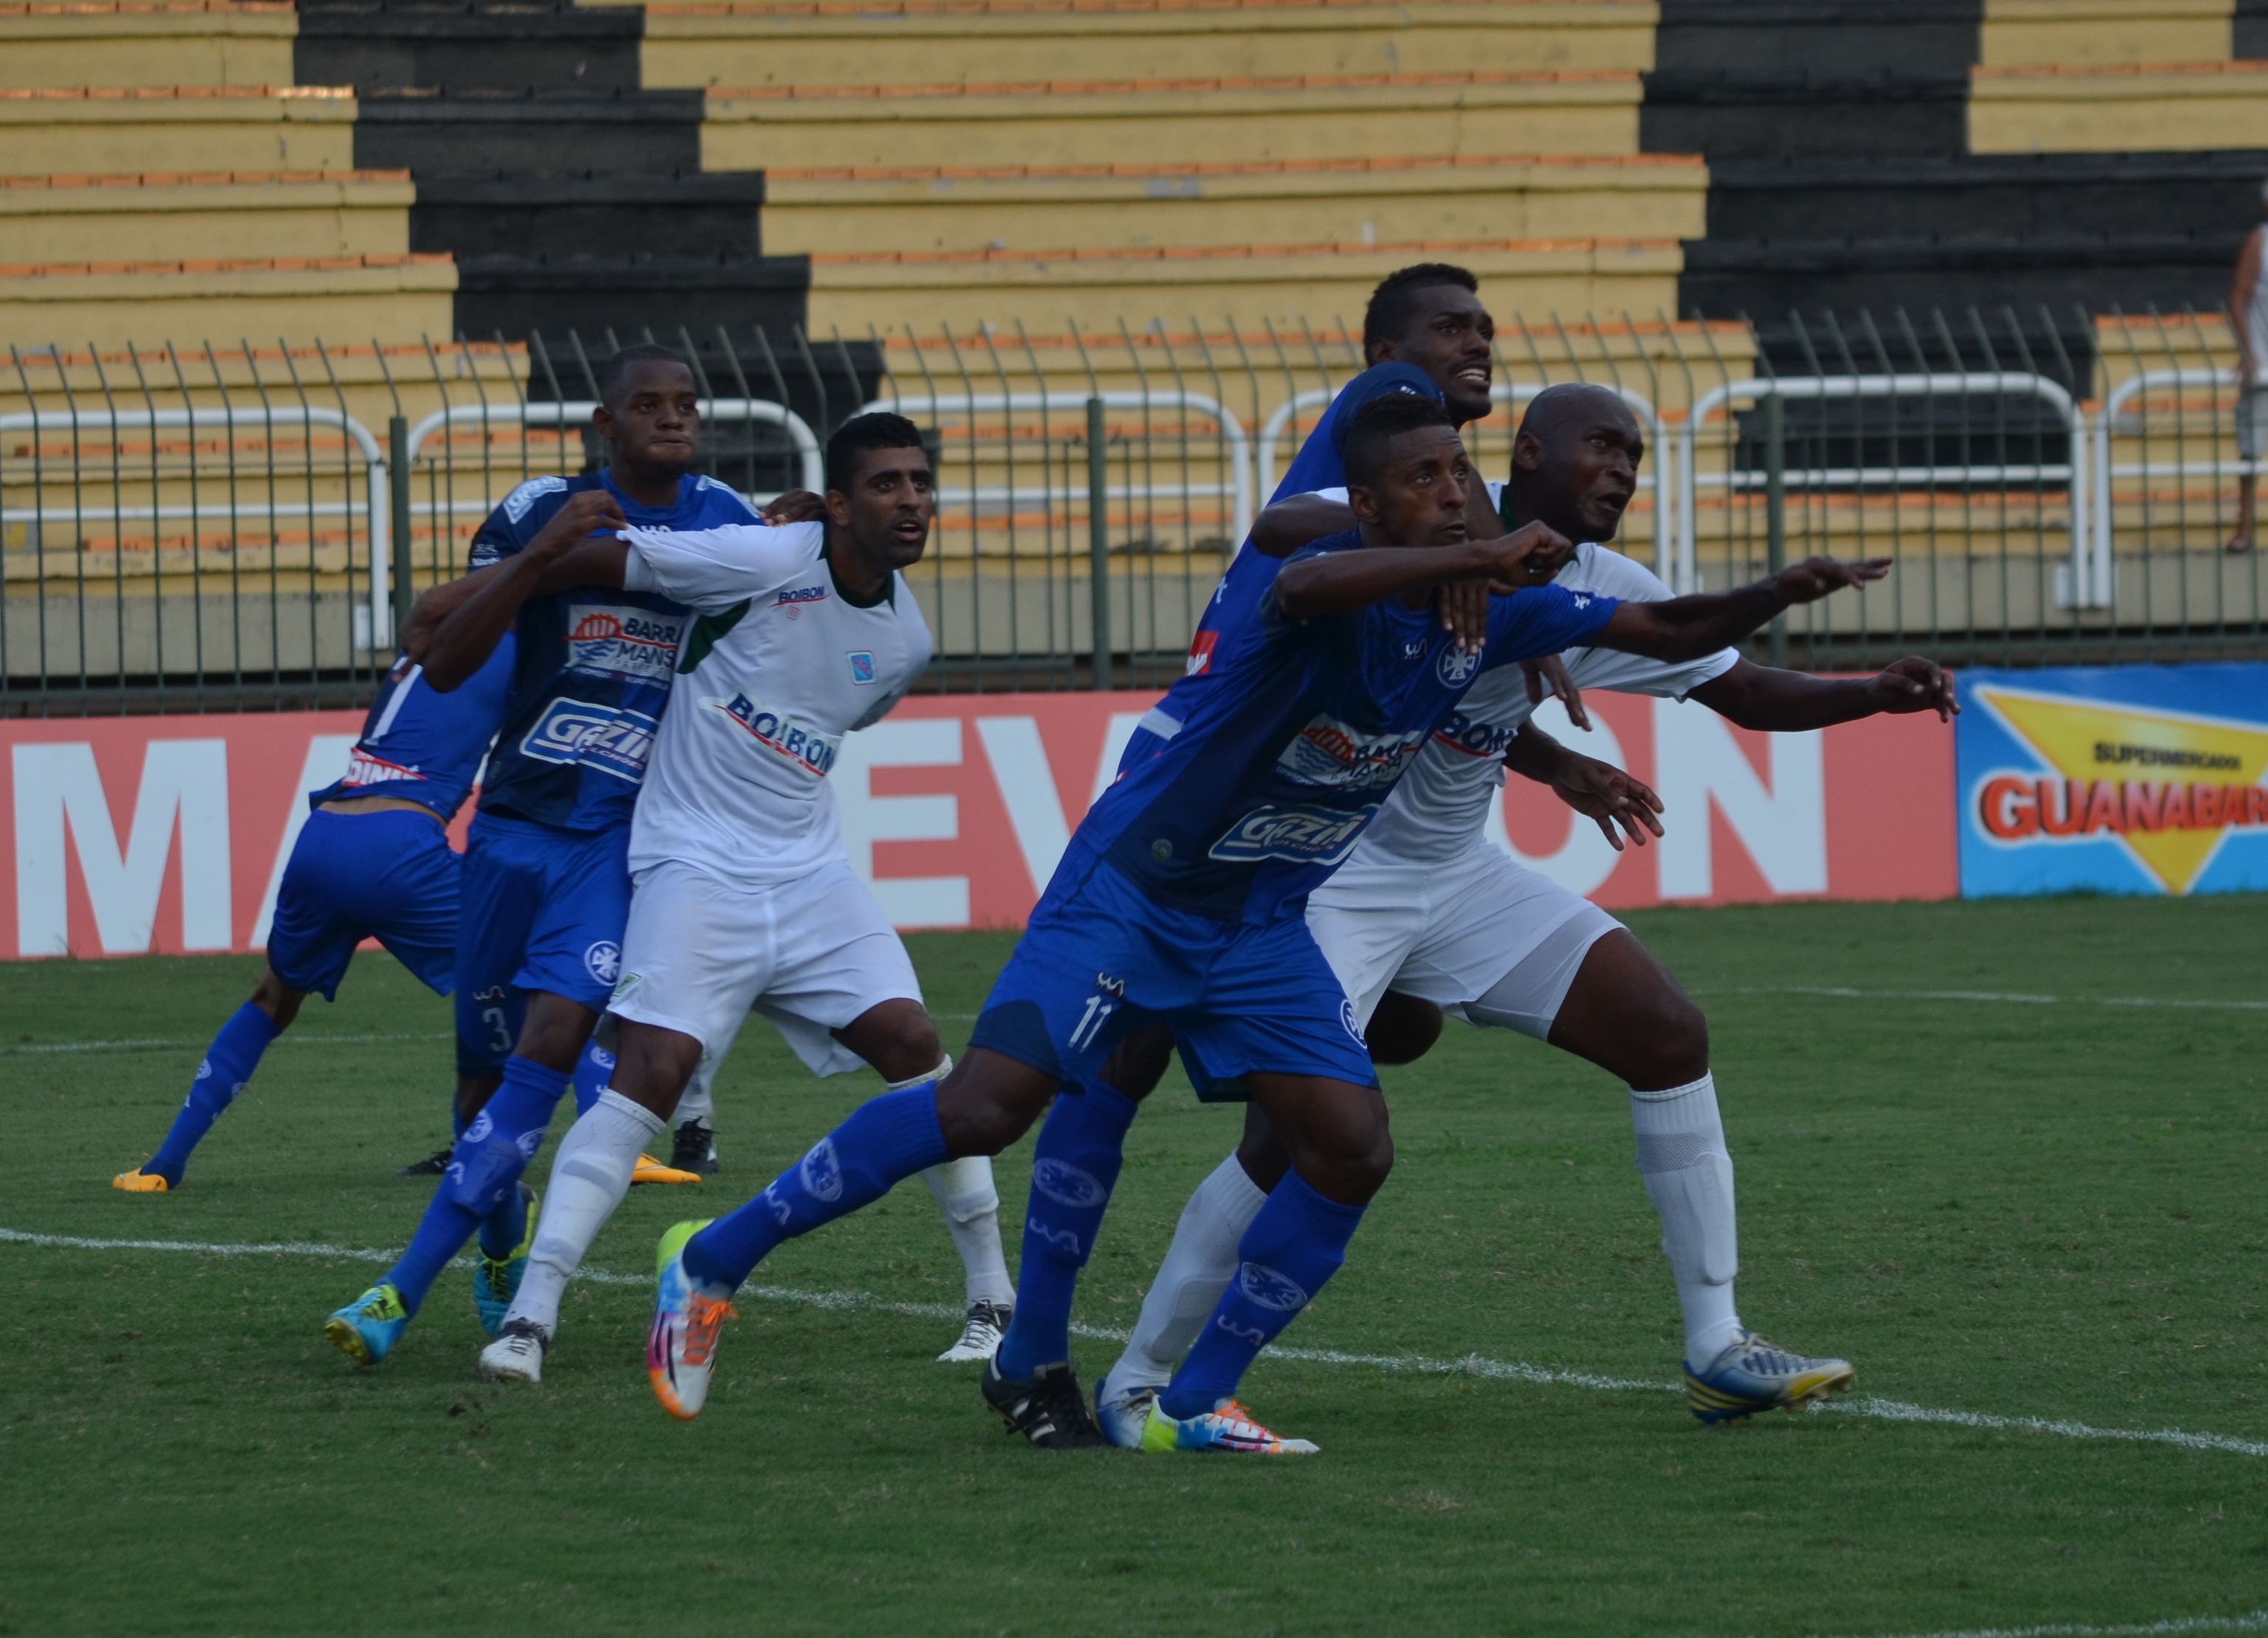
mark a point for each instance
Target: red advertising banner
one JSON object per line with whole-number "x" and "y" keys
{"x": 130, "y": 835}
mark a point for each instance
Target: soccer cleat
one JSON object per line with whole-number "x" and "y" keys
{"x": 140, "y": 1182}
{"x": 1123, "y": 1416}
{"x": 516, "y": 1354}
{"x": 681, "y": 1351}
{"x": 693, "y": 1149}
{"x": 1752, "y": 1375}
{"x": 432, "y": 1166}
{"x": 1047, "y": 1408}
{"x": 980, "y": 1333}
{"x": 496, "y": 1281}
{"x": 1228, "y": 1426}
{"x": 649, "y": 1170}
{"x": 366, "y": 1329}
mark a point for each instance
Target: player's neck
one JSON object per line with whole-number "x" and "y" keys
{"x": 654, "y": 487}
{"x": 858, "y": 581}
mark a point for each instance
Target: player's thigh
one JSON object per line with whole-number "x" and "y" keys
{"x": 1505, "y": 924}
{"x": 313, "y": 935}
{"x": 417, "y": 900}
{"x": 839, "y": 958}
{"x": 1365, "y": 919}
{"x": 1271, "y": 1005}
{"x": 574, "y": 947}
{"x": 696, "y": 950}
{"x": 1095, "y": 962}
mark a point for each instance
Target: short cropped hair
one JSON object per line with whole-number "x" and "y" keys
{"x": 614, "y": 371}
{"x": 1378, "y": 423}
{"x": 860, "y": 434}
{"x": 1393, "y": 304}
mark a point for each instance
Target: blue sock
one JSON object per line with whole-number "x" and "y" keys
{"x": 228, "y": 1064}
{"x": 501, "y": 1228}
{"x": 593, "y": 1071}
{"x": 886, "y": 1140}
{"x": 1295, "y": 1245}
{"x": 1074, "y": 1166}
{"x": 483, "y": 1176}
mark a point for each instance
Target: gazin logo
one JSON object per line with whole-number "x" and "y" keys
{"x": 605, "y": 961}
{"x": 1066, "y": 1184}
{"x": 1271, "y": 1289}
{"x": 821, "y": 1172}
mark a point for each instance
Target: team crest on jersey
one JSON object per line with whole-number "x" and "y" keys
{"x": 1457, "y": 666}
{"x": 1330, "y": 752}
{"x": 861, "y": 667}
{"x": 1297, "y": 835}
{"x": 604, "y": 961}
{"x": 516, "y": 503}
{"x": 783, "y": 735}
{"x": 616, "y": 640}
{"x": 607, "y": 738}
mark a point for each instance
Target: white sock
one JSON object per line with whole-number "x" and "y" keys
{"x": 965, "y": 1193}
{"x": 1198, "y": 1266}
{"x": 589, "y": 1176}
{"x": 1681, "y": 1154}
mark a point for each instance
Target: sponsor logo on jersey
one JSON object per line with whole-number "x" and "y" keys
{"x": 614, "y": 640}
{"x": 604, "y": 961}
{"x": 1068, "y": 1185}
{"x": 1457, "y": 666}
{"x": 608, "y": 738}
{"x": 1330, "y": 752}
{"x": 623, "y": 987}
{"x": 862, "y": 666}
{"x": 783, "y": 735}
{"x": 1264, "y": 1286}
{"x": 1201, "y": 647}
{"x": 797, "y": 599}
{"x": 1475, "y": 737}
{"x": 516, "y": 503}
{"x": 364, "y": 769}
{"x": 1300, "y": 836}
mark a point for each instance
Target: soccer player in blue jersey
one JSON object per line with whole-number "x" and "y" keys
{"x": 1181, "y": 899}
{"x": 371, "y": 861}
{"x": 546, "y": 884}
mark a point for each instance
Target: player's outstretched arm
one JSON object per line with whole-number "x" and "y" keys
{"x": 1285, "y": 527}
{"x": 1686, "y": 628}
{"x": 1597, "y": 789}
{"x": 463, "y": 641}
{"x": 1777, "y": 701}
{"x": 1341, "y": 582}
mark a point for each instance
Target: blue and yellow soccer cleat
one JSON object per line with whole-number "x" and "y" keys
{"x": 140, "y": 1182}
{"x": 1753, "y": 1375}
{"x": 366, "y": 1329}
{"x": 680, "y": 1350}
{"x": 496, "y": 1281}
{"x": 1227, "y": 1427}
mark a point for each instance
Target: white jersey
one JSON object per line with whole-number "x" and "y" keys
{"x": 1438, "y": 809}
{"x": 779, "y": 667}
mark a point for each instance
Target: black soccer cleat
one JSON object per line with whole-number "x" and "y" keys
{"x": 432, "y": 1166}
{"x": 694, "y": 1150}
{"x": 1048, "y": 1408}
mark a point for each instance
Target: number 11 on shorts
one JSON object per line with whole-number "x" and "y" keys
{"x": 1091, "y": 1022}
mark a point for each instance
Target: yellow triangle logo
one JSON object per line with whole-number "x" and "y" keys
{"x": 2168, "y": 785}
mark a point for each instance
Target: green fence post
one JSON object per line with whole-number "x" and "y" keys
{"x": 1097, "y": 537}
{"x": 397, "y": 439}
{"x": 1776, "y": 509}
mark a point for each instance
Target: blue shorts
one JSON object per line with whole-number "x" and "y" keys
{"x": 542, "y": 909}
{"x": 388, "y": 875}
{"x": 1101, "y": 958}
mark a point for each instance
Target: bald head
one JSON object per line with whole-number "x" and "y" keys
{"x": 1574, "y": 462}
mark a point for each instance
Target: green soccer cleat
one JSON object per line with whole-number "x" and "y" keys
{"x": 366, "y": 1329}
{"x": 1752, "y": 1375}
{"x": 1228, "y": 1426}
{"x": 496, "y": 1281}
{"x": 680, "y": 1350}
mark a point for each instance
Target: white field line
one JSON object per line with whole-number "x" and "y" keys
{"x": 1843, "y": 992}
{"x": 2255, "y": 1621}
{"x": 1471, "y": 1365}
{"x": 153, "y": 1045}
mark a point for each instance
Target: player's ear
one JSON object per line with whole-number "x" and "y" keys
{"x": 838, "y": 508}
{"x": 602, "y": 419}
{"x": 1526, "y": 451}
{"x": 1363, "y": 502}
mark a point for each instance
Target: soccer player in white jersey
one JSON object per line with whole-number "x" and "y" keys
{"x": 1429, "y": 917}
{"x": 742, "y": 896}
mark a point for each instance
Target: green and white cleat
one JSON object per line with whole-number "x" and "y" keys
{"x": 1752, "y": 1375}
{"x": 1228, "y": 1426}
{"x": 366, "y": 1329}
{"x": 496, "y": 1281}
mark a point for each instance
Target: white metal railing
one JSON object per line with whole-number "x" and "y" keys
{"x": 2105, "y": 421}
{"x": 575, "y": 412}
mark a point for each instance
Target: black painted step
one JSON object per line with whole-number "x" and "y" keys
{"x": 515, "y": 296}
{"x": 517, "y": 214}
{"x": 480, "y": 44}
{"x": 1794, "y": 113}
{"x": 607, "y": 133}
{"x": 1828, "y": 37}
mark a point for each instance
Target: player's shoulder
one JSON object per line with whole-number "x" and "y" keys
{"x": 1596, "y": 568}
{"x": 1345, "y": 540}
{"x": 719, "y": 502}
{"x": 522, "y": 513}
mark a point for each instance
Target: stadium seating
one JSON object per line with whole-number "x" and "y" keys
{"x": 175, "y": 42}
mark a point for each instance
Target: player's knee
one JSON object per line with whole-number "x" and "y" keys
{"x": 1138, "y": 1062}
{"x": 988, "y": 1101}
{"x": 1402, "y": 1029}
{"x": 1672, "y": 1039}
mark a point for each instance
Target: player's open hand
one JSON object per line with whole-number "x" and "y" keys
{"x": 1622, "y": 805}
{"x": 1546, "y": 677}
{"x": 1915, "y": 685}
{"x": 795, "y": 506}
{"x": 1463, "y": 606}
{"x": 1812, "y": 579}
{"x": 592, "y": 512}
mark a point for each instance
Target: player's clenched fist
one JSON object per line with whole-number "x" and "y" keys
{"x": 1529, "y": 555}
{"x": 592, "y": 512}
{"x": 1812, "y": 579}
{"x": 1914, "y": 685}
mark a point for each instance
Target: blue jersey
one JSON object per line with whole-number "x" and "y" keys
{"x": 594, "y": 665}
{"x": 421, "y": 746}
{"x": 1320, "y": 464}
{"x": 1285, "y": 753}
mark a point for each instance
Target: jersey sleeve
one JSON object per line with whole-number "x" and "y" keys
{"x": 1544, "y": 620}
{"x": 711, "y": 570}
{"x": 1629, "y": 582}
{"x": 508, "y": 529}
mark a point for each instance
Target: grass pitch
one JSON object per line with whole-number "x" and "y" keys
{"x": 2020, "y": 1208}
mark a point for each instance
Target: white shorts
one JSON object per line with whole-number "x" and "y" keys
{"x": 1454, "y": 933}
{"x": 810, "y": 954}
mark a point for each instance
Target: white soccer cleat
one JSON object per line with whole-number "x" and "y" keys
{"x": 1123, "y": 1416}
{"x": 516, "y": 1354}
{"x": 980, "y": 1334}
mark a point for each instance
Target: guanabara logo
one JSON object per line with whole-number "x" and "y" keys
{"x": 2169, "y": 786}
{"x": 1335, "y": 754}
{"x": 1066, "y": 1184}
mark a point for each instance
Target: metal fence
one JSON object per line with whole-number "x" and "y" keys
{"x": 223, "y": 528}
